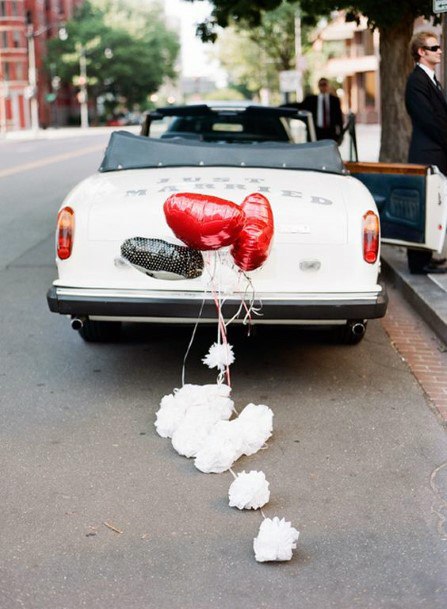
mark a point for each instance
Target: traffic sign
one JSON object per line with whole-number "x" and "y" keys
{"x": 289, "y": 80}
{"x": 79, "y": 81}
{"x": 440, "y": 6}
{"x": 56, "y": 82}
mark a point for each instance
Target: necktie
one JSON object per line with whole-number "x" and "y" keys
{"x": 437, "y": 83}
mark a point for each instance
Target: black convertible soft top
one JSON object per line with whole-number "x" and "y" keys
{"x": 128, "y": 151}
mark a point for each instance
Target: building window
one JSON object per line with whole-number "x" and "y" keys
{"x": 16, "y": 38}
{"x": 358, "y": 44}
{"x": 20, "y": 71}
{"x": 368, "y": 42}
{"x": 3, "y": 8}
{"x": 4, "y": 40}
{"x": 14, "y": 8}
{"x": 6, "y": 71}
{"x": 370, "y": 89}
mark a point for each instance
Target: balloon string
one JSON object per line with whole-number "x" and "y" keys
{"x": 221, "y": 336}
{"x": 239, "y": 310}
{"x": 232, "y": 472}
{"x": 214, "y": 266}
{"x": 262, "y": 513}
{"x": 192, "y": 338}
{"x": 216, "y": 293}
{"x": 249, "y": 307}
{"x": 221, "y": 327}
{"x": 220, "y": 319}
{"x": 252, "y": 309}
{"x": 227, "y": 373}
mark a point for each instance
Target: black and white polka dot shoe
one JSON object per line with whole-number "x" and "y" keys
{"x": 162, "y": 260}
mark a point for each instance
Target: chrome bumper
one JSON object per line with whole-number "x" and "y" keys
{"x": 189, "y": 306}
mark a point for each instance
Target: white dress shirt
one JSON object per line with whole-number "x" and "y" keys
{"x": 430, "y": 73}
{"x": 323, "y": 98}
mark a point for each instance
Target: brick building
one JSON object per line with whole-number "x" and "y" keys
{"x": 13, "y": 65}
{"x": 25, "y": 27}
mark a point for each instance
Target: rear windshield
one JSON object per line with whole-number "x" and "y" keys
{"x": 236, "y": 126}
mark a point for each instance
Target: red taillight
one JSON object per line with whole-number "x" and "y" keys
{"x": 371, "y": 237}
{"x": 65, "y": 233}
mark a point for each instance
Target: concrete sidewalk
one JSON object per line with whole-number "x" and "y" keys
{"x": 427, "y": 294}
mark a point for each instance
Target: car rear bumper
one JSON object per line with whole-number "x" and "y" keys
{"x": 189, "y": 307}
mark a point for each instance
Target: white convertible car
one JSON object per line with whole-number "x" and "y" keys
{"x": 121, "y": 257}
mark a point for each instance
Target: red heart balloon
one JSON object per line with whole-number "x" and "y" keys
{"x": 252, "y": 247}
{"x": 203, "y": 222}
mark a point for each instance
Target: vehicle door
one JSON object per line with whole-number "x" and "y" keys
{"x": 411, "y": 199}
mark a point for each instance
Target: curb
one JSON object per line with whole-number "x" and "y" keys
{"x": 421, "y": 292}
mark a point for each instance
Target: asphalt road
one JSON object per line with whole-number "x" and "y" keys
{"x": 356, "y": 462}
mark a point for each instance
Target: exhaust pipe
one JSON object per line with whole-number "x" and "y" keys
{"x": 77, "y": 323}
{"x": 358, "y": 328}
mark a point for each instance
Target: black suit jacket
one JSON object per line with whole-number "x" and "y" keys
{"x": 335, "y": 128}
{"x": 427, "y": 108}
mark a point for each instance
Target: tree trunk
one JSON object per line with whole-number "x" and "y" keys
{"x": 395, "y": 65}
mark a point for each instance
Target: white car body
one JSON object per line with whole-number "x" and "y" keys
{"x": 315, "y": 274}
{"x": 318, "y": 218}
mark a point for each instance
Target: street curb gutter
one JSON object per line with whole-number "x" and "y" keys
{"x": 423, "y": 294}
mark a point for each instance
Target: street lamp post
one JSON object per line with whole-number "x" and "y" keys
{"x": 32, "y": 79}
{"x": 298, "y": 57}
{"x": 32, "y": 93}
{"x": 83, "y": 95}
{"x": 82, "y": 49}
{"x": 4, "y": 93}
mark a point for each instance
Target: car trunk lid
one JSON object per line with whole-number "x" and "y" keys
{"x": 310, "y": 243}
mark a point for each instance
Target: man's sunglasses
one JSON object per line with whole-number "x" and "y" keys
{"x": 433, "y": 48}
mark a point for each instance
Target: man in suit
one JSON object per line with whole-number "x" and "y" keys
{"x": 326, "y": 111}
{"x": 426, "y": 104}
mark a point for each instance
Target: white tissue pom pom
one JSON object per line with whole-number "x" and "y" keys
{"x": 216, "y": 407}
{"x": 187, "y": 440}
{"x": 174, "y": 406}
{"x": 217, "y": 390}
{"x": 220, "y": 450}
{"x": 198, "y": 394}
{"x": 249, "y": 491}
{"x": 219, "y": 356}
{"x": 256, "y": 425}
{"x": 227, "y": 441}
{"x": 169, "y": 416}
{"x": 193, "y": 430}
{"x": 193, "y": 395}
{"x": 275, "y": 541}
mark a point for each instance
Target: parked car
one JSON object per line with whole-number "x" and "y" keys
{"x": 123, "y": 119}
{"x": 119, "y": 258}
{"x": 232, "y": 122}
